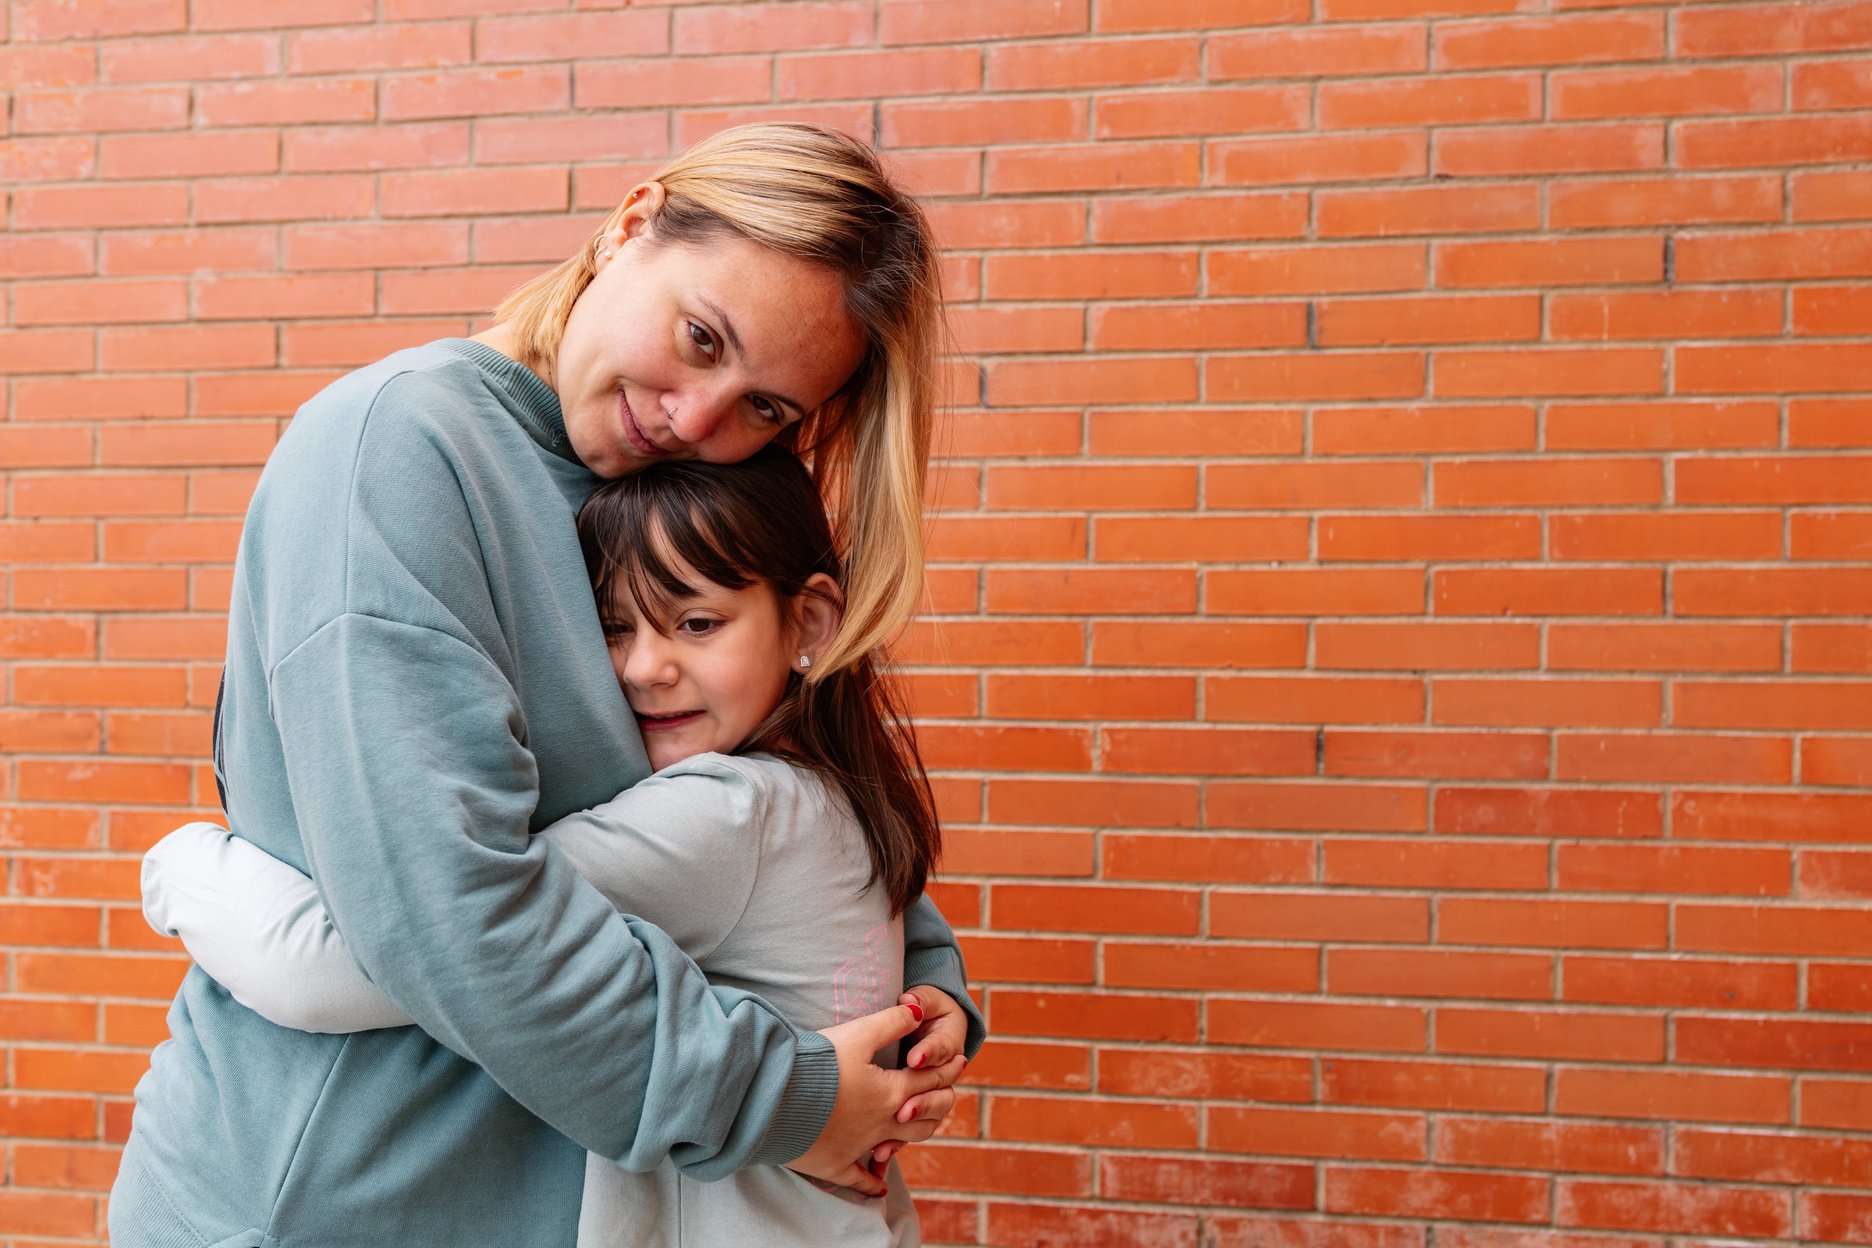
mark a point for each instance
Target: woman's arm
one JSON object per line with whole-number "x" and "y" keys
{"x": 259, "y": 929}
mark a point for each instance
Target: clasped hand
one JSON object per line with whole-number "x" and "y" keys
{"x": 877, "y": 1111}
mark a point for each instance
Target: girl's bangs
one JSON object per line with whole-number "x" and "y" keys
{"x": 680, "y": 548}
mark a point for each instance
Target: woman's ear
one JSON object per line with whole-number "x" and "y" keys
{"x": 818, "y": 609}
{"x": 633, "y": 217}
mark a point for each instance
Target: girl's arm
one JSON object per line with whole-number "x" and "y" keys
{"x": 679, "y": 849}
{"x": 259, "y": 929}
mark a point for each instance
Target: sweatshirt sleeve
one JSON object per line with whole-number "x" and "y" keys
{"x": 402, "y": 741}
{"x": 932, "y": 956}
{"x": 259, "y": 929}
{"x": 402, "y": 748}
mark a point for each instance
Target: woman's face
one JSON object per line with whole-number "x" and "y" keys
{"x": 707, "y": 352}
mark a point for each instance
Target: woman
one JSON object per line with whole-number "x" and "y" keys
{"x": 417, "y": 678}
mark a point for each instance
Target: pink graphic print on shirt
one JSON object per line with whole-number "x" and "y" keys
{"x": 858, "y": 988}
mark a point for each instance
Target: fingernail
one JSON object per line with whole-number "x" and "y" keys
{"x": 916, "y": 1011}
{"x": 916, "y": 1061}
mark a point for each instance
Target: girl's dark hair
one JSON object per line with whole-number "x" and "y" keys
{"x": 762, "y": 521}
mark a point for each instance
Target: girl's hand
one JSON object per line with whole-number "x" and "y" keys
{"x": 943, "y": 1031}
{"x": 871, "y": 1100}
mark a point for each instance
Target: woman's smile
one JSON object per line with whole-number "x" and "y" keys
{"x": 633, "y": 432}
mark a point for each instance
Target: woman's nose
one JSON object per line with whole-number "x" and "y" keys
{"x": 696, "y": 414}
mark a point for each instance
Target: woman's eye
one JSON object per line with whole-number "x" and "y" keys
{"x": 766, "y": 410}
{"x": 703, "y": 340}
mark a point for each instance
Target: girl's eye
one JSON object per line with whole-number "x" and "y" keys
{"x": 698, "y": 627}
{"x": 703, "y": 340}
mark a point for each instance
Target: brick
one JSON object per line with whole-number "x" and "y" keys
{"x": 475, "y": 93}
{"x": 1024, "y": 959}
{"x": 1829, "y": 648}
{"x": 1662, "y": 426}
{"x": 47, "y": 637}
{"x": 1809, "y": 705}
{"x": 1751, "y": 143}
{"x": 99, "y": 495}
{"x": 1202, "y": 326}
{"x": 1676, "y": 869}
{"x": 30, "y": 542}
{"x": 1326, "y": 916}
{"x": 1029, "y": 1172}
{"x": 1412, "y": 321}
{"x": 1412, "y": 1193}
{"x": 1433, "y": 755}
{"x": 1019, "y": 696}
{"x": 415, "y": 145}
{"x": 1552, "y": 924}
{"x": 51, "y": 65}
{"x": 1549, "y": 1034}
{"x": 1522, "y": 41}
{"x": 1320, "y": 158}
{"x": 1372, "y": 429}
{"x": 1092, "y": 275}
{"x": 1442, "y": 975}
{"x": 1319, "y": 53}
{"x": 1103, "y": 167}
{"x": 1105, "y": 1016}
{"x": 1836, "y": 760}
{"x": 1208, "y": 858}
{"x": 1092, "y": 802}
{"x": 1427, "y": 210}
{"x": 101, "y": 589}
{"x": 1123, "y": 539}
{"x": 46, "y": 448}
{"x": 1210, "y": 1184}
{"x": 1195, "y": 432}
{"x": 1432, "y": 1085}
{"x": 71, "y": 685}
{"x": 1332, "y": 1133}
{"x": 1314, "y": 700}
{"x": 1676, "y": 982}
{"x": 1612, "y": 203}
{"x": 1570, "y": 372}
{"x": 189, "y": 58}
{"x": 1165, "y": 217}
{"x": 1772, "y": 591}
{"x": 1092, "y": 63}
{"x": 429, "y": 193}
{"x": 1671, "y": 1095}
{"x": 1832, "y": 1103}
{"x": 48, "y": 160}
{"x": 176, "y": 348}
{"x": 426, "y": 45}
{"x": 99, "y": 206}
{"x": 1159, "y": 379}
{"x": 1676, "y": 91}
{"x": 1007, "y": 539}
{"x": 283, "y": 199}
{"x": 1558, "y": 262}
{"x": 1794, "y": 931}
{"x": 1207, "y": 1075}
{"x": 46, "y": 732}
{"x": 1041, "y": 223}
{"x": 1109, "y": 1124}
{"x": 997, "y": 121}
{"x": 1673, "y": 1208}
{"x": 1470, "y": 99}
{"x": 1776, "y": 1044}
{"x": 1547, "y": 591}
{"x": 988, "y": 643}
{"x": 1214, "y": 111}
{"x": 1557, "y": 1146}
{"x": 1090, "y": 591}
{"x": 1664, "y": 315}
{"x": 1255, "y": 1231}
{"x": 1151, "y": 15}
{"x": 1836, "y": 1217}
{"x": 1827, "y": 196}
{"x": 47, "y": 255}
{"x": 849, "y": 75}
{"x": 943, "y": 21}
{"x": 287, "y": 102}
{"x": 98, "y": 302}
{"x": 1802, "y": 368}
{"x": 1087, "y": 1227}
{"x": 572, "y": 37}
{"x": 1826, "y": 818}
{"x": 187, "y": 251}
{"x": 1323, "y": 591}
{"x": 1437, "y": 538}
{"x": 1027, "y": 1064}
{"x": 1297, "y": 378}
{"x": 1765, "y": 28}
{"x": 1318, "y": 270}
{"x": 1212, "y": 968}
{"x": 93, "y": 109}
{"x": 1315, "y": 807}
{"x": 1776, "y": 255}
{"x": 1663, "y": 647}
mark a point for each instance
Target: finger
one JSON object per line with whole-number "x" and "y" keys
{"x": 917, "y": 1082}
{"x": 930, "y": 1107}
{"x": 881, "y": 1155}
{"x": 930, "y": 1051}
{"x": 860, "y": 1180}
{"x": 915, "y": 1131}
{"x": 887, "y": 1025}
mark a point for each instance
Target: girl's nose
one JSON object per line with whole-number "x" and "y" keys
{"x": 647, "y": 663}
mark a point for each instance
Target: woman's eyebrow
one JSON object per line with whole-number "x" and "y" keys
{"x": 734, "y": 342}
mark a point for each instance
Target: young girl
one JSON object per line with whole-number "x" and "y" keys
{"x": 788, "y": 826}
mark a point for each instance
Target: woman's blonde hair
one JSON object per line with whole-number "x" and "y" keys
{"x": 817, "y": 195}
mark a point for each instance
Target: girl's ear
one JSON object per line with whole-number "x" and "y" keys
{"x": 818, "y": 609}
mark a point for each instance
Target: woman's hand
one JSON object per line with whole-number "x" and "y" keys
{"x": 871, "y": 1100}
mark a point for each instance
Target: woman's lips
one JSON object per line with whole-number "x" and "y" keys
{"x": 633, "y": 432}
{"x": 663, "y": 723}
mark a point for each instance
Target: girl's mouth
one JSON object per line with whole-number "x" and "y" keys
{"x": 633, "y": 432}
{"x": 663, "y": 723}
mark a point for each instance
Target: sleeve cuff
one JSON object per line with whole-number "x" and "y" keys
{"x": 804, "y": 1106}
{"x": 940, "y": 966}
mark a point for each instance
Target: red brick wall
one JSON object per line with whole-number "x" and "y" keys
{"x": 1397, "y": 670}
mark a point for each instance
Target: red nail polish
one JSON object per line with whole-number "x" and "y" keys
{"x": 916, "y": 1011}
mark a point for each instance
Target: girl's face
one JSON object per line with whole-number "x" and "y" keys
{"x": 705, "y": 678}
{"x": 677, "y": 352}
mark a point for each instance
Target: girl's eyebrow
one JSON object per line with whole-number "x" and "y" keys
{"x": 734, "y": 341}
